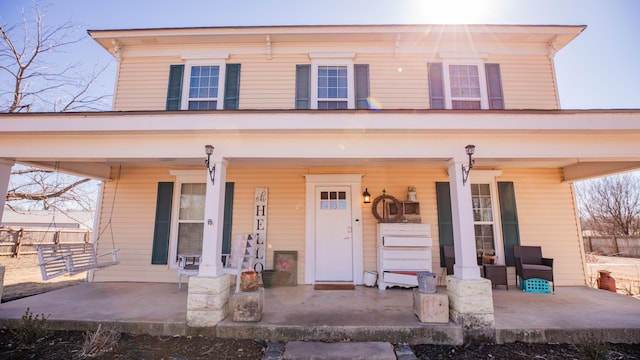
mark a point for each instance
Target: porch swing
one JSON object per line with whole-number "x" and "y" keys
{"x": 73, "y": 258}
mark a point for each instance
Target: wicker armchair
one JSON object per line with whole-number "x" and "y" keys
{"x": 531, "y": 264}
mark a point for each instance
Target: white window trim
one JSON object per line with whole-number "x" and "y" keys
{"x": 181, "y": 177}
{"x": 348, "y": 62}
{"x": 484, "y": 96}
{"x": 490, "y": 177}
{"x": 187, "y": 77}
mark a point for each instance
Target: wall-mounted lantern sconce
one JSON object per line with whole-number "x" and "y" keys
{"x": 208, "y": 149}
{"x": 366, "y": 197}
{"x": 470, "y": 149}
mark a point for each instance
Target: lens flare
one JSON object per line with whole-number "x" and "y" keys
{"x": 374, "y": 104}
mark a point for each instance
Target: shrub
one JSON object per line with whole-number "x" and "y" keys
{"x": 101, "y": 341}
{"x": 593, "y": 349}
{"x": 31, "y": 328}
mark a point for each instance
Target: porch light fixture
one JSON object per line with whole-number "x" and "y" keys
{"x": 208, "y": 149}
{"x": 470, "y": 149}
{"x": 366, "y": 197}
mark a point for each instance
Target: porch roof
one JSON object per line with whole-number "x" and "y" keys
{"x": 583, "y": 143}
{"x": 401, "y": 37}
{"x": 400, "y": 120}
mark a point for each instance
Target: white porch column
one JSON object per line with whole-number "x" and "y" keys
{"x": 211, "y": 264}
{"x": 208, "y": 298}
{"x": 5, "y": 174}
{"x": 470, "y": 296}
{"x": 464, "y": 240}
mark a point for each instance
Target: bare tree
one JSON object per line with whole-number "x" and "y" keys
{"x": 34, "y": 78}
{"x": 610, "y": 205}
{"x": 32, "y": 81}
{"x": 34, "y": 190}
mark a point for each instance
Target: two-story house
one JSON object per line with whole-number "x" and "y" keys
{"x": 305, "y": 119}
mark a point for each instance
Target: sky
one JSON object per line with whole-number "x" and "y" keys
{"x": 598, "y": 70}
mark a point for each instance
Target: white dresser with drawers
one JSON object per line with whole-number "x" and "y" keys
{"x": 403, "y": 250}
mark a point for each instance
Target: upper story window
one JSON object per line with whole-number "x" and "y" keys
{"x": 332, "y": 86}
{"x": 204, "y": 91}
{"x": 332, "y": 82}
{"x": 204, "y": 86}
{"x": 465, "y": 86}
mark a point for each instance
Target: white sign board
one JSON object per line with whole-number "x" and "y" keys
{"x": 260, "y": 228}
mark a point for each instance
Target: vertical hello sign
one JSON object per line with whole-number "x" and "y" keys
{"x": 260, "y": 228}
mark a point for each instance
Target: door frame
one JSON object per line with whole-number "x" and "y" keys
{"x": 354, "y": 182}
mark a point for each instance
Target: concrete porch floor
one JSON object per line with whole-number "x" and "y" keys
{"x": 364, "y": 314}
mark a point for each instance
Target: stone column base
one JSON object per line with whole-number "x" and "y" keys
{"x": 208, "y": 300}
{"x": 471, "y": 304}
{"x": 247, "y": 306}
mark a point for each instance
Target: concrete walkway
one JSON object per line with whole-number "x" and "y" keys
{"x": 365, "y": 314}
{"x": 301, "y": 350}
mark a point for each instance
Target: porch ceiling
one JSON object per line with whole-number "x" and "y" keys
{"x": 573, "y": 169}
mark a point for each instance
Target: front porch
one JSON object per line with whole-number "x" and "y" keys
{"x": 364, "y": 314}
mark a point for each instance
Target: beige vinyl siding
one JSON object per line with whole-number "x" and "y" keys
{"x": 547, "y": 218}
{"x": 285, "y": 208}
{"x": 268, "y": 84}
{"x": 132, "y": 225}
{"x": 397, "y": 83}
{"x": 142, "y": 83}
{"x": 546, "y": 212}
{"x": 395, "y": 180}
{"x": 527, "y": 82}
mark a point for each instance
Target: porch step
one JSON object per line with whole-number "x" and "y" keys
{"x": 438, "y": 334}
{"x": 301, "y": 350}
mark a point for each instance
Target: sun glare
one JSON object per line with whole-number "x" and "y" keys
{"x": 453, "y": 11}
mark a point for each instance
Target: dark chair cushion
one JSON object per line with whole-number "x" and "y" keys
{"x": 536, "y": 267}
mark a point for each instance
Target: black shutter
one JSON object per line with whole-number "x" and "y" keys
{"x": 509, "y": 215}
{"x": 228, "y": 218}
{"x": 174, "y": 92}
{"x": 361, "y": 75}
{"x": 445, "y": 219}
{"x": 303, "y": 86}
{"x": 160, "y": 250}
{"x": 494, "y": 86}
{"x": 232, "y": 87}
{"x": 436, "y": 86}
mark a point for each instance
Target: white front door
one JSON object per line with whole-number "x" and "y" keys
{"x": 333, "y": 234}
